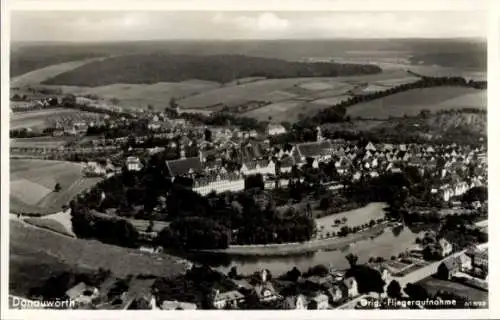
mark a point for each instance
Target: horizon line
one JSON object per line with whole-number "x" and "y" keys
{"x": 245, "y": 39}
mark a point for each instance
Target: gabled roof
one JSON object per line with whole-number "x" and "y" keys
{"x": 229, "y": 295}
{"x": 76, "y": 291}
{"x": 181, "y": 167}
{"x": 314, "y": 149}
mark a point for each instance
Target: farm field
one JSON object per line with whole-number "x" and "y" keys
{"x": 49, "y": 224}
{"x": 36, "y": 254}
{"x": 134, "y": 96}
{"x": 275, "y": 90}
{"x": 39, "y": 75}
{"x": 46, "y": 118}
{"x": 48, "y": 142}
{"x": 32, "y": 185}
{"x": 289, "y": 110}
{"x": 433, "y": 285}
{"x": 413, "y": 101}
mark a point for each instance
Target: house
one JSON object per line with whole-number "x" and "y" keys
{"x": 177, "y": 305}
{"x": 479, "y": 258}
{"x": 465, "y": 262}
{"x": 183, "y": 167}
{"x": 448, "y": 268}
{"x": 352, "y": 287}
{"x": 445, "y": 247}
{"x": 320, "y": 151}
{"x": 93, "y": 169}
{"x": 231, "y": 299}
{"x": 82, "y": 293}
{"x": 266, "y": 292}
{"x": 297, "y": 302}
{"x": 275, "y": 129}
{"x": 319, "y": 302}
{"x": 133, "y": 164}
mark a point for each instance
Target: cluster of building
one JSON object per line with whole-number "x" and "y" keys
{"x": 222, "y": 165}
{"x": 470, "y": 267}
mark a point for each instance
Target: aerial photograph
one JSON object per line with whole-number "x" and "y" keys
{"x": 248, "y": 160}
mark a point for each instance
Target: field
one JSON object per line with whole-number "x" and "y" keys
{"x": 37, "y": 254}
{"x": 413, "y": 101}
{"x": 49, "y": 224}
{"x": 433, "y": 285}
{"x": 39, "y": 75}
{"x": 136, "y": 96}
{"x": 47, "y": 118}
{"x": 40, "y": 142}
{"x": 32, "y": 185}
{"x": 354, "y": 218}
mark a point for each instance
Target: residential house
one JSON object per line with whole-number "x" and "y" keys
{"x": 448, "y": 268}
{"x": 465, "y": 261}
{"x": 275, "y": 129}
{"x": 133, "y": 164}
{"x": 228, "y": 299}
{"x": 445, "y": 247}
{"x": 336, "y": 293}
{"x": 177, "y": 305}
{"x": 184, "y": 167}
{"x": 352, "y": 287}
{"x": 93, "y": 169}
{"x": 320, "y": 151}
{"x": 266, "y": 292}
{"x": 82, "y": 293}
{"x": 319, "y": 302}
{"x": 296, "y": 302}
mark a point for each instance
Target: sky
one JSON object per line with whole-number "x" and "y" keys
{"x": 90, "y": 26}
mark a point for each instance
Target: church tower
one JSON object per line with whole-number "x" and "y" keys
{"x": 319, "y": 135}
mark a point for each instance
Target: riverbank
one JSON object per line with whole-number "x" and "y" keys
{"x": 312, "y": 246}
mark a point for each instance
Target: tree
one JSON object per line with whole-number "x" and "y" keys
{"x": 233, "y": 273}
{"x": 352, "y": 259}
{"x": 57, "y": 187}
{"x": 394, "y": 289}
{"x": 173, "y": 103}
{"x": 208, "y": 135}
{"x": 293, "y": 275}
{"x": 416, "y": 292}
{"x": 254, "y": 181}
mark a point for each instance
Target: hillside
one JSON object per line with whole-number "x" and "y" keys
{"x": 32, "y": 185}
{"x": 457, "y": 126}
{"x": 153, "y": 68}
{"x": 412, "y": 102}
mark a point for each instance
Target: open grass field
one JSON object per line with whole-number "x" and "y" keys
{"x": 288, "y": 110}
{"x": 413, "y": 101}
{"x": 354, "y": 217}
{"x": 36, "y": 254}
{"x": 49, "y": 224}
{"x": 39, "y": 75}
{"x": 136, "y": 96}
{"x": 46, "y": 118}
{"x": 40, "y": 142}
{"x": 433, "y": 285}
{"x": 33, "y": 181}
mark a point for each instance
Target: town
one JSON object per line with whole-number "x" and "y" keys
{"x": 216, "y": 160}
{"x": 248, "y": 160}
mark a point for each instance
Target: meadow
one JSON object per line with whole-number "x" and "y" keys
{"x": 37, "y": 254}
{"x": 47, "y": 118}
{"x": 413, "y": 101}
{"x": 32, "y": 185}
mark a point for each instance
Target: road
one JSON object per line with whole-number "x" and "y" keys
{"x": 411, "y": 277}
{"x": 423, "y": 272}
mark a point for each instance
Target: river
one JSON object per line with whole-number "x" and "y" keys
{"x": 393, "y": 241}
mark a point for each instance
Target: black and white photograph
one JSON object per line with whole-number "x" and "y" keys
{"x": 247, "y": 160}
